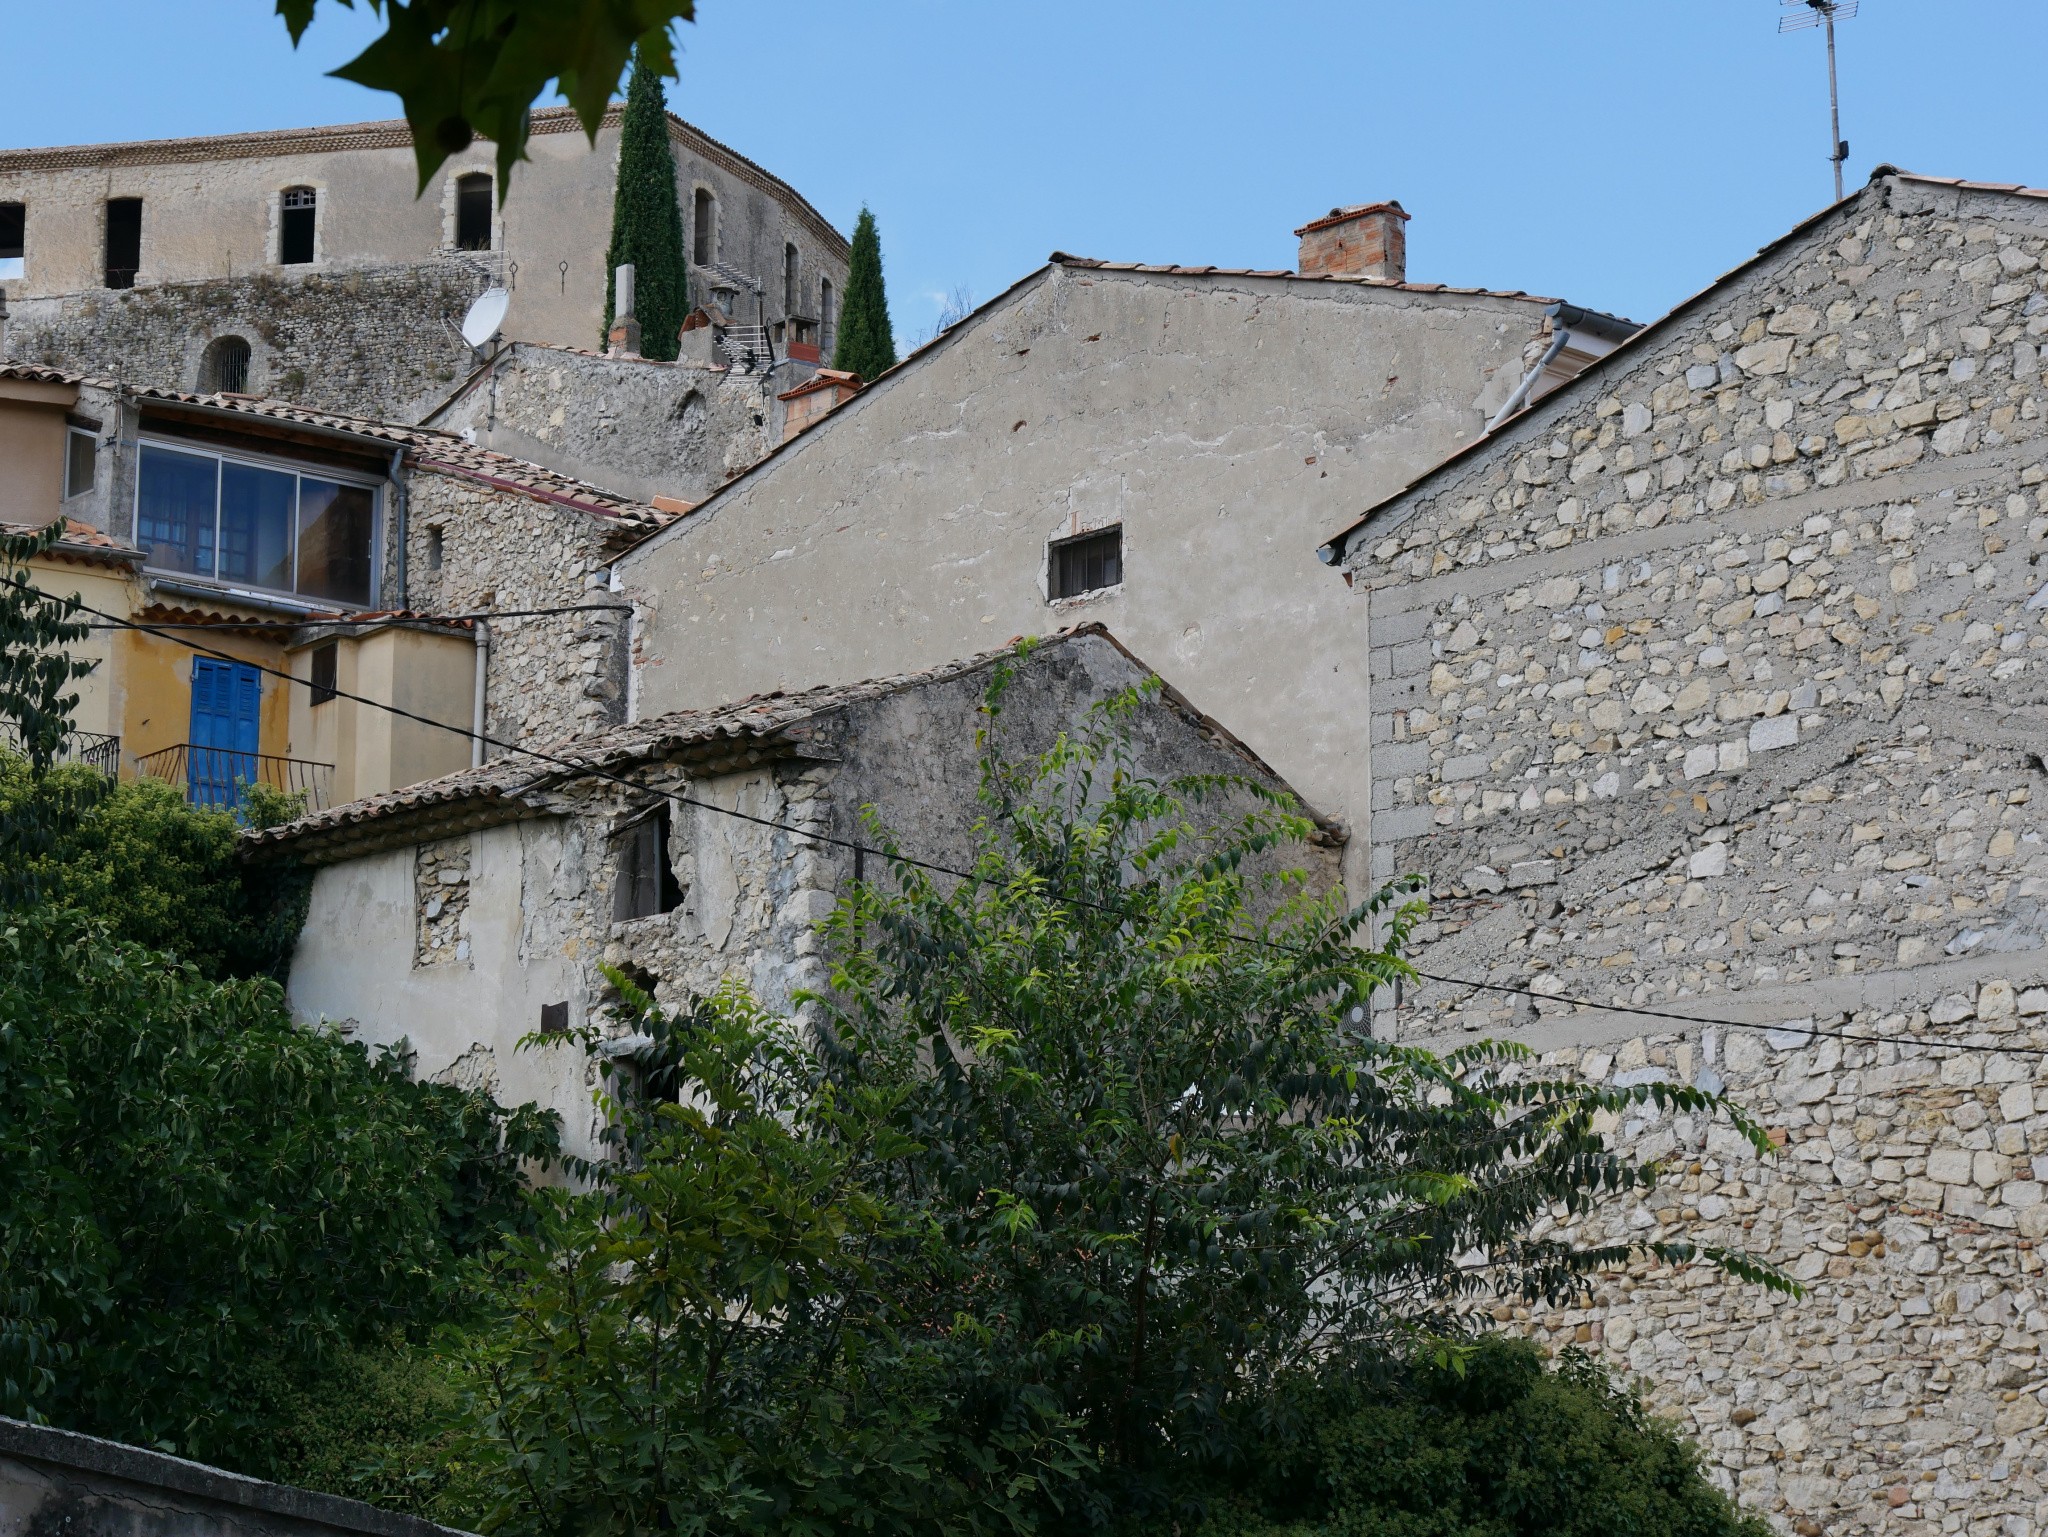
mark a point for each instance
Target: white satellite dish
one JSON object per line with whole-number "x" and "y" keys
{"x": 485, "y": 316}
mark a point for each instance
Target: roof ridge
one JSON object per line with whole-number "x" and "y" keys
{"x": 1097, "y": 264}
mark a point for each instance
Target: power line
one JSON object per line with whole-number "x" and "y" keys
{"x": 932, "y": 867}
{"x": 396, "y": 617}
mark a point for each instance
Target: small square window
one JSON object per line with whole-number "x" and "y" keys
{"x": 81, "y": 461}
{"x": 322, "y": 684}
{"x": 554, "y": 1018}
{"x": 646, "y": 882}
{"x": 1087, "y": 564}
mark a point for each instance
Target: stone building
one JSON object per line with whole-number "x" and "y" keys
{"x": 1154, "y": 448}
{"x": 1717, "y": 684}
{"x": 464, "y": 914}
{"x": 299, "y": 264}
{"x": 350, "y": 554}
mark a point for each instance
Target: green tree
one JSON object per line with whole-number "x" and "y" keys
{"x": 866, "y": 345}
{"x": 198, "y": 1196}
{"x": 647, "y": 226}
{"x": 468, "y": 68}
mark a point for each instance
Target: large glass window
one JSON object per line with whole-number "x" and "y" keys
{"x": 256, "y": 525}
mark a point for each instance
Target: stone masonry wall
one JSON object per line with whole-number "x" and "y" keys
{"x": 636, "y": 427}
{"x": 441, "y": 892}
{"x": 549, "y": 676}
{"x": 375, "y": 342}
{"x": 1716, "y": 685}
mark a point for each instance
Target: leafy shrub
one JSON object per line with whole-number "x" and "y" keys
{"x": 196, "y": 1195}
{"x": 160, "y": 871}
{"x": 1495, "y": 1445}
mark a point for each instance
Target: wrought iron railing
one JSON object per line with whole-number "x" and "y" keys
{"x": 92, "y": 748}
{"x": 219, "y": 776}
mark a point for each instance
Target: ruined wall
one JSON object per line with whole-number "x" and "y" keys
{"x": 372, "y": 341}
{"x": 638, "y": 428}
{"x": 1717, "y": 686}
{"x": 471, "y": 547}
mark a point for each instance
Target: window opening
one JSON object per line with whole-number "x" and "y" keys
{"x": 225, "y": 366}
{"x": 295, "y": 225}
{"x": 124, "y": 241}
{"x": 791, "y": 272}
{"x": 825, "y": 309}
{"x": 13, "y": 240}
{"x": 473, "y": 212}
{"x": 1087, "y": 564}
{"x": 257, "y": 525}
{"x": 325, "y": 665}
{"x": 646, "y": 883}
{"x": 434, "y": 547}
{"x": 81, "y": 461}
{"x": 703, "y": 227}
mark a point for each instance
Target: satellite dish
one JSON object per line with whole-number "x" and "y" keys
{"x": 485, "y": 316}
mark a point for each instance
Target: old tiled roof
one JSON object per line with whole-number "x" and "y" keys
{"x": 391, "y": 133}
{"x": 1355, "y": 211}
{"x": 1062, "y": 259}
{"x": 84, "y": 543}
{"x": 1333, "y": 549}
{"x": 753, "y": 730}
{"x": 429, "y": 447}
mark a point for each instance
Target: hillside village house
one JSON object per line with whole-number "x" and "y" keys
{"x": 1718, "y": 683}
{"x": 464, "y": 914}
{"x": 299, "y": 264}
{"x": 1154, "y": 448}
{"x": 289, "y": 541}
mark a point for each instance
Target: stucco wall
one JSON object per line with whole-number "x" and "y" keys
{"x": 430, "y": 673}
{"x": 1715, "y": 686}
{"x": 1225, "y": 423}
{"x": 32, "y": 431}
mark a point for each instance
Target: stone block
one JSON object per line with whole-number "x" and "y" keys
{"x": 1468, "y": 766}
{"x": 1532, "y": 872}
{"x": 1708, "y": 862}
{"x": 1949, "y": 1165}
{"x": 1774, "y": 732}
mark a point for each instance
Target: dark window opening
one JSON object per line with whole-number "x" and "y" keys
{"x": 295, "y": 226}
{"x": 13, "y": 239}
{"x": 81, "y": 460}
{"x": 124, "y": 241}
{"x": 647, "y": 884}
{"x": 703, "y": 228}
{"x": 321, "y": 683}
{"x": 473, "y": 212}
{"x": 824, "y": 309}
{"x": 792, "y": 271}
{"x": 434, "y": 547}
{"x": 554, "y": 1018}
{"x": 225, "y": 366}
{"x": 1087, "y": 564}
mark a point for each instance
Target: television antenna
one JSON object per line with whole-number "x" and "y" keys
{"x": 1825, "y": 13}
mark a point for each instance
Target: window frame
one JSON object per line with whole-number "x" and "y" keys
{"x": 378, "y": 489}
{"x": 92, "y": 459}
{"x": 1055, "y": 548}
{"x": 463, "y": 183}
{"x": 284, "y": 212}
{"x": 703, "y": 230}
{"x": 108, "y": 269}
{"x": 324, "y": 658}
{"x": 630, "y": 881}
{"x": 14, "y": 264}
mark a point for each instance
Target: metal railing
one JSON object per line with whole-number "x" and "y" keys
{"x": 94, "y": 749}
{"x": 217, "y": 776}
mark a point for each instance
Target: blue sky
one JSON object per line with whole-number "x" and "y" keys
{"x": 1617, "y": 154}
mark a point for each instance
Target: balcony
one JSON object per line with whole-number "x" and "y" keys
{"x": 216, "y": 776}
{"x": 91, "y": 748}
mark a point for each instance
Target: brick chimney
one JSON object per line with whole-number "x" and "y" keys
{"x": 1370, "y": 241}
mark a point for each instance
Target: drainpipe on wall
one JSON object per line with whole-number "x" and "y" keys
{"x": 483, "y": 666}
{"x": 1563, "y": 334}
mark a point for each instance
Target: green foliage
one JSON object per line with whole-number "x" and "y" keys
{"x": 157, "y": 870}
{"x": 36, "y": 700}
{"x": 1493, "y": 1446}
{"x": 197, "y": 1196}
{"x": 709, "y": 1338}
{"x": 464, "y": 68}
{"x": 866, "y": 346}
{"x": 647, "y": 225}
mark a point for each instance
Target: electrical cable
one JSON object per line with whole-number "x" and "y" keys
{"x": 591, "y": 771}
{"x": 340, "y": 624}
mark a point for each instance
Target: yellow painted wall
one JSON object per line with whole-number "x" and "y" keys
{"x": 156, "y": 677}
{"x": 32, "y": 449}
{"x": 102, "y": 694}
{"x": 429, "y": 673}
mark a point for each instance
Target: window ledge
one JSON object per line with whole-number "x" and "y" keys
{"x": 1092, "y": 595}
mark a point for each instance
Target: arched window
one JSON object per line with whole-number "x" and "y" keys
{"x": 791, "y": 271}
{"x": 473, "y": 212}
{"x": 225, "y": 366}
{"x": 297, "y": 208}
{"x": 704, "y": 228}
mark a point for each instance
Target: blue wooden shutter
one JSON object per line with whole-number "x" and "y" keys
{"x": 227, "y": 718}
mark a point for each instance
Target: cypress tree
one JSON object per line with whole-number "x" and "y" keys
{"x": 647, "y": 226}
{"x": 866, "y": 346}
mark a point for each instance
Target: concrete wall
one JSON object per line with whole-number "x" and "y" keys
{"x": 210, "y": 244}
{"x": 1716, "y": 686}
{"x": 59, "y": 1482}
{"x": 638, "y": 428}
{"x": 1227, "y": 424}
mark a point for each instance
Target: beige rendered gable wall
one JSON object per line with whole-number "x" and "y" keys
{"x": 1224, "y": 423}
{"x": 1720, "y": 686}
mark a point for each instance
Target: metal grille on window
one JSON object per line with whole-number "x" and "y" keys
{"x": 1087, "y": 564}
{"x": 646, "y": 883}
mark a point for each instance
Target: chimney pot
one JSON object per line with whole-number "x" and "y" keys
{"x": 1369, "y": 240}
